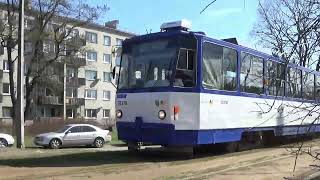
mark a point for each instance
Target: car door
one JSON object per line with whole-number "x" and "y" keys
{"x": 72, "y": 136}
{"x": 88, "y": 134}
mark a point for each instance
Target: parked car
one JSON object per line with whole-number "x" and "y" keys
{"x": 74, "y": 135}
{"x": 6, "y": 140}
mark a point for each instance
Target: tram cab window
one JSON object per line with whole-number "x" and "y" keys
{"x": 219, "y": 65}
{"x": 293, "y": 82}
{"x": 251, "y": 77}
{"x": 308, "y": 85}
{"x": 185, "y": 72}
{"x": 274, "y": 78}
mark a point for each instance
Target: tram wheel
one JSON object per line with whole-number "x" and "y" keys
{"x": 232, "y": 147}
{"x": 134, "y": 147}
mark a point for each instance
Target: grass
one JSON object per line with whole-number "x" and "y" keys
{"x": 115, "y": 140}
{"x": 28, "y": 141}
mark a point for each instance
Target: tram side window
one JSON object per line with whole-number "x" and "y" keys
{"x": 219, "y": 66}
{"x": 275, "y": 78}
{"x": 317, "y": 87}
{"x": 251, "y": 77}
{"x": 185, "y": 73}
{"x": 308, "y": 85}
{"x": 293, "y": 82}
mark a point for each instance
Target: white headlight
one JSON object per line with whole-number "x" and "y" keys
{"x": 162, "y": 114}
{"x": 119, "y": 113}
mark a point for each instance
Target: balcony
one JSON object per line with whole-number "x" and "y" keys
{"x": 75, "y": 81}
{"x": 75, "y": 101}
{"x": 75, "y": 61}
{"x": 49, "y": 100}
{"x": 76, "y": 42}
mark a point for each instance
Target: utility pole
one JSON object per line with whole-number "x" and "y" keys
{"x": 20, "y": 81}
{"x": 64, "y": 91}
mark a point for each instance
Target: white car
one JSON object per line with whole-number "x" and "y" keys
{"x": 74, "y": 135}
{"x": 6, "y": 140}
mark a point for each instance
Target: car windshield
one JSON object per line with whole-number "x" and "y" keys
{"x": 62, "y": 130}
{"x": 149, "y": 64}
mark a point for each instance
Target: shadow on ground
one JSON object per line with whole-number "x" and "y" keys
{"x": 103, "y": 158}
{"x": 84, "y": 159}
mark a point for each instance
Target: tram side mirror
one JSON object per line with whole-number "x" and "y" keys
{"x": 113, "y": 72}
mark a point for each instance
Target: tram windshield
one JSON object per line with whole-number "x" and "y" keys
{"x": 151, "y": 64}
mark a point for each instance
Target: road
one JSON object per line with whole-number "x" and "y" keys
{"x": 116, "y": 163}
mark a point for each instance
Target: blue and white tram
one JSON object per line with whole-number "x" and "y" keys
{"x": 182, "y": 88}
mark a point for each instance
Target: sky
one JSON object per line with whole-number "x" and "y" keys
{"x": 223, "y": 19}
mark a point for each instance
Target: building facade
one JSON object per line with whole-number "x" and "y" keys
{"x": 84, "y": 90}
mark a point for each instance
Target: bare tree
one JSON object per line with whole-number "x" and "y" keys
{"x": 49, "y": 36}
{"x": 291, "y": 29}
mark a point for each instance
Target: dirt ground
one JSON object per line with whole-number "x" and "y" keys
{"x": 116, "y": 163}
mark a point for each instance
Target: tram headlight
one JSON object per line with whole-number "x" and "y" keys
{"x": 162, "y": 114}
{"x": 119, "y": 113}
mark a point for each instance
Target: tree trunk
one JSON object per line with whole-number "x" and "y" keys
{"x": 12, "y": 92}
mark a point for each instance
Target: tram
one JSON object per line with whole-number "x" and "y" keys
{"x": 182, "y": 88}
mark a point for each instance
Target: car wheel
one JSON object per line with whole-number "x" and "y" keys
{"x": 3, "y": 143}
{"x": 98, "y": 143}
{"x": 55, "y": 144}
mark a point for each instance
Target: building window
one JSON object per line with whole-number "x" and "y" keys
{"x": 119, "y": 42}
{"x": 5, "y": 66}
{"x": 92, "y": 56}
{"x": 106, "y": 113}
{"x": 219, "y": 66}
{"x": 72, "y": 92}
{"x": 251, "y": 77}
{"x": 7, "y": 112}
{"x": 71, "y": 72}
{"x": 107, "y": 41}
{"x": 106, "y": 95}
{"x": 118, "y": 61}
{"x": 91, "y": 37}
{"x": 48, "y": 92}
{"x": 6, "y": 89}
{"x": 49, "y": 46}
{"x": 26, "y": 23}
{"x": 72, "y": 32}
{"x": 71, "y": 113}
{"x": 90, "y": 113}
{"x": 28, "y": 47}
{"x": 91, "y": 75}
{"x": 43, "y": 112}
{"x": 106, "y": 77}
{"x": 90, "y": 94}
{"x": 107, "y": 58}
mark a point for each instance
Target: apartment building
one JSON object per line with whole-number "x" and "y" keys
{"x": 83, "y": 89}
